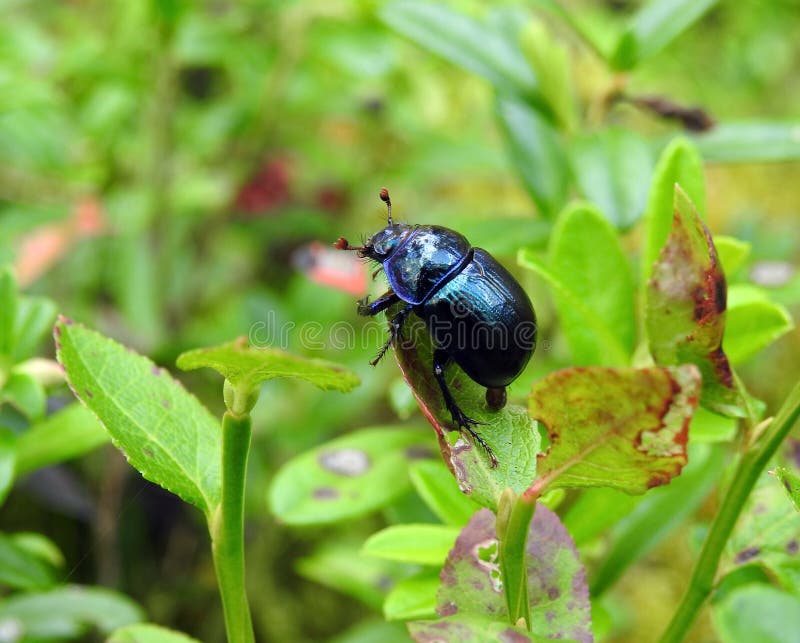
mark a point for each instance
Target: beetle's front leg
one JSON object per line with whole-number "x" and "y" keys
{"x": 368, "y": 309}
{"x": 395, "y": 327}
{"x": 460, "y": 419}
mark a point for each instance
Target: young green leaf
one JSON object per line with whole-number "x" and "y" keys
{"x": 732, "y": 252}
{"x": 68, "y": 612}
{"x": 148, "y": 633}
{"x": 591, "y": 339}
{"x": 26, "y": 394}
{"x": 8, "y": 313}
{"x": 653, "y": 27}
{"x": 8, "y": 459}
{"x": 464, "y": 41}
{"x": 559, "y": 597}
{"x": 757, "y": 612}
{"x": 34, "y": 319}
{"x": 509, "y": 432}
{"x": 679, "y": 163}
{"x": 412, "y": 597}
{"x": 752, "y": 326}
{"x": 613, "y": 168}
{"x": 350, "y": 476}
{"x": 751, "y": 142}
{"x": 20, "y": 569}
{"x": 537, "y": 152}
{"x": 686, "y": 300}
{"x": 163, "y": 430}
{"x": 420, "y": 544}
{"x": 634, "y": 444}
{"x": 439, "y": 490}
{"x": 586, "y": 254}
{"x": 247, "y": 366}
{"x": 67, "y": 434}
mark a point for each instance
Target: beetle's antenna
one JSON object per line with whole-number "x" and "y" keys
{"x": 342, "y": 244}
{"x": 384, "y": 194}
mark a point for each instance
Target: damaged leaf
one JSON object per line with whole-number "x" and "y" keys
{"x": 471, "y": 585}
{"x": 163, "y": 429}
{"x": 347, "y": 477}
{"x": 467, "y": 629}
{"x": 247, "y": 366}
{"x": 624, "y": 428}
{"x": 686, "y": 300}
{"x": 509, "y": 432}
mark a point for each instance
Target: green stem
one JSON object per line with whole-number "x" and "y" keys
{"x": 227, "y": 529}
{"x": 513, "y": 525}
{"x": 744, "y": 479}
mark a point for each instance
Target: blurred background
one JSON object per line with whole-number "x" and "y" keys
{"x": 173, "y": 173}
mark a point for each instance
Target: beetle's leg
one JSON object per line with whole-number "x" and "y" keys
{"x": 395, "y": 327}
{"x": 460, "y": 419}
{"x": 367, "y": 308}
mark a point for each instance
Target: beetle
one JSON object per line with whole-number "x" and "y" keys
{"x": 475, "y": 311}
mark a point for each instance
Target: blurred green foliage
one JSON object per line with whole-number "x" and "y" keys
{"x": 163, "y": 165}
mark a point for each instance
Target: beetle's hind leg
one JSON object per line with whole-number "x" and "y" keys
{"x": 395, "y": 326}
{"x": 460, "y": 419}
{"x": 368, "y": 309}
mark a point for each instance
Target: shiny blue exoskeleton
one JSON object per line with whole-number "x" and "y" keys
{"x": 477, "y": 314}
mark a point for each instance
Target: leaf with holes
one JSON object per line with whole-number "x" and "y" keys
{"x": 509, "y": 431}
{"x": 350, "y": 476}
{"x": 686, "y": 300}
{"x": 468, "y": 628}
{"x": 559, "y": 596}
{"x": 247, "y": 366}
{"x": 636, "y": 442}
{"x": 163, "y": 430}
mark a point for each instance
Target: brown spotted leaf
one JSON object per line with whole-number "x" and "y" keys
{"x": 559, "y": 596}
{"x": 686, "y": 299}
{"x": 509, "y": 432}
{"x": 624, "y": 428}
{"x": 468, "y": 629}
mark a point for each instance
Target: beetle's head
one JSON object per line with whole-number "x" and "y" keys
{"x": 383, "y": 243}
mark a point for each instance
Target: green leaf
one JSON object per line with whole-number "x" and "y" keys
{"x": 551, "y": 61}
{"x": 70, "y": 611}
{"x": 8, "y": 459}
{"x": 613, "y": 168}
{"x": 413, "y": 597}
{"x": 732, "y": 252}
{"x": 20, "y": 569}
{"x": 767, "y": 533}
{"x": 637, "y": 443}
{"x": 467, "y": 628}
{"x": 754, "y": 326}
{"x": 476, "y": 46}
{"x": 685, "y": 308}
{"x": 439, "y": 490}
{"x": 342, "y": 568}
{"x": 67, "y": 434}
{"x": 657, "y": 515}
{"x": 591, "y": 340}
{"x": 679, "y": 163}
{"x": 791, "y": 483}
{"x": 163, "y": 430}
{"x": 751, "y": 142}
{"x": 595, "y": 512}
{"x": 420, "y": 544}
{"x": 8, "y": 312}
{"x": 26, "y": 394}
{"x": 556, "y": 578}
{"x": 40, "y": 546}
{"x": 586, "y": 254}
{"x": 708, "y": 427}
{"x": 34, "y": 319}
{"x": 757, "y": 612}
{"x": 509, "y": 432}
{"x": 538, "y": 154}
{"x": 148, "y": 633}
{"x": 247, "y": 366}
{"x": 347, "y": 477}
{"x": 655, "y": 26}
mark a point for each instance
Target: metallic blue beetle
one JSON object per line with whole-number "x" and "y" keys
{"x": 475, "y": 311}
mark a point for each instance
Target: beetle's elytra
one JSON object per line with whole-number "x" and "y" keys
{"x": 477, "y": 314}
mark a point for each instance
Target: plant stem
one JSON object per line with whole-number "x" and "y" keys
{"x": 227, "y": 529}
{"x": 512, "y": 532}
{"x": 744, "y": 479}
